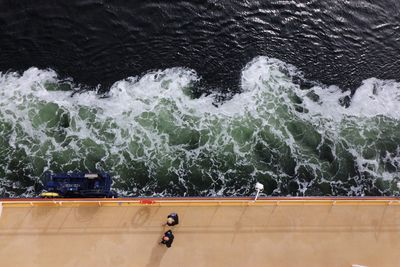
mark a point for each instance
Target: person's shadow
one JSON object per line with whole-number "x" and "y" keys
{"x": 157, "y": 253}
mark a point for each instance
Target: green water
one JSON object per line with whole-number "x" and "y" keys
{"x": 155, "y": 139}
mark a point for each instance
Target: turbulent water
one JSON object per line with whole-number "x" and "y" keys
{"x": 202, "y": 97}
{"x": 156, "y": 138}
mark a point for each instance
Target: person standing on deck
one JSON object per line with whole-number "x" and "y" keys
{"x": 167, "y": 239}
{"x": 172, "y": 219}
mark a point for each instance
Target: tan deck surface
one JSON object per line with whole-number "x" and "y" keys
{"x": 214, "y": 235}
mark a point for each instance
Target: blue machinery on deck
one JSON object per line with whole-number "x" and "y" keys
{"x": 78, "y": 184}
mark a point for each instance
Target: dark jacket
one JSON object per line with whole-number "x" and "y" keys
{"x": 175, "y": 217}
{"x": 168, "y": 234}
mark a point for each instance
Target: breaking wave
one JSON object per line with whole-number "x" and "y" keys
{"x": 156, "y": 138}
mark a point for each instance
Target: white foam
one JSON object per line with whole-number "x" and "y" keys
{"x": 373, "y": 98}
{"x": 266, "y": 102}
{"x": 376, "y": 97}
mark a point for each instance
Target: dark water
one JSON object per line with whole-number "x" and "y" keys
{"x": 310, "y": 103}
{"x": 100, "y": 42}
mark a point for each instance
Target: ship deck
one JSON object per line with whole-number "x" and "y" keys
{"x": 212, "y": 232}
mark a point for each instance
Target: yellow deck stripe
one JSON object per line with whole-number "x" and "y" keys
{"x": 199, "y": 203}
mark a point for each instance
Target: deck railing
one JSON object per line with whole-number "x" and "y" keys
{"x": 124, "y": 202}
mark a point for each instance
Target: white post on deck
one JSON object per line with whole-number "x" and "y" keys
{"x": 259, "y": 188}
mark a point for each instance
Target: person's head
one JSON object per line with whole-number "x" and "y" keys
{"x": 170, "y": 220}
{"x": 165, "y": 238}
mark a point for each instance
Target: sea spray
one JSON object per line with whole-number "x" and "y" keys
{"x": 155, "y": 138}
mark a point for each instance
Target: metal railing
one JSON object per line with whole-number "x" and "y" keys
{"x": 118, "y": 202}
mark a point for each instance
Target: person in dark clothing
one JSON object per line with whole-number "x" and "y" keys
{"x": 172, "y": 219}
{"x": 167, "y": 239}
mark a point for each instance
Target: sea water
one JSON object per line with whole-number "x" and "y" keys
{"x": 156, "y": 137}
